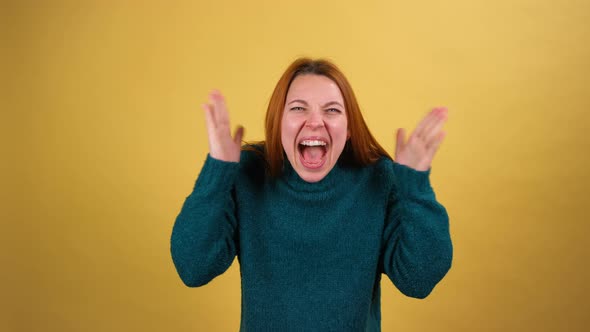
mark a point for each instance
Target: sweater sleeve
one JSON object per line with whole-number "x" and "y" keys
{"x": 204, "y": 237}
{"x": 417, "y": 249}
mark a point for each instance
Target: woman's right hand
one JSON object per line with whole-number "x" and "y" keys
{"x": 221, "y": 144}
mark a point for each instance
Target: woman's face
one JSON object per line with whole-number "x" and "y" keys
{"x": 314, "y": 127}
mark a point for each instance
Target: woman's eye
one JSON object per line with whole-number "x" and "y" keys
{"x": 333, "y": 110}
{"x": 297, "y": 108}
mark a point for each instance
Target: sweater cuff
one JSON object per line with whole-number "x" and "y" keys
{"x": 217, "y": 175}
{"x": 411, "y": 182}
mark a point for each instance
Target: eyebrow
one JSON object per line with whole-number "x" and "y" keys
{"x": 305, "y": 103}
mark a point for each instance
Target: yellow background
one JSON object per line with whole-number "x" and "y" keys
{"x": 103, "y": 138}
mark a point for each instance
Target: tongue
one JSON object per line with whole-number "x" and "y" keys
{"x": 313, "y": 154}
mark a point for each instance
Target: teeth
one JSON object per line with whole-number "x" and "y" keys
{"x": 313, "y": 143}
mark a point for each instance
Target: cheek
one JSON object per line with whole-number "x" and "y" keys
{"x": 287, "y": 135}
{"x": 288, "y": 129}
{"x": 340, "y": 129}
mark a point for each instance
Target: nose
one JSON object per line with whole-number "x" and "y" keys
{"x": 314, "y": 120}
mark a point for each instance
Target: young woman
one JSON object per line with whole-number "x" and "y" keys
{"x": 315, "y": 213}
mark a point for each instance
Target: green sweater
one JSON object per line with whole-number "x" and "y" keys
{"x": 311, "y": 254}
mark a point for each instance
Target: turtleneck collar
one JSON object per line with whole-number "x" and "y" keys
{"x": 296, "y": 183}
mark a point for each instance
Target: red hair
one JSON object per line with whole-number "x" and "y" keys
{"x": 361, "y": 149}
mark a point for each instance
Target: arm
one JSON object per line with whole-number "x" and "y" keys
{"x": 204, "y": 237}
{"x": 416, "y": 249}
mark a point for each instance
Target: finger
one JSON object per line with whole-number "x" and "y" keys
{"x": 432, "y": 132}
{"x": 209, "y": 116}
{"x": 433, "y": 119}
{"x": 439, "y": 113}
{"x": 220, "y": 109}
{"x": 419, "y": 131}
{"x": 239, "y": 133}
{"x": 435, "y": 144}
{"x": 400, "y": 140}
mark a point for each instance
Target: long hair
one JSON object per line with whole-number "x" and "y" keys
{"x": 361, "y": 148}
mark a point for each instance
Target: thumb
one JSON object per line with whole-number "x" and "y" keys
{"x": 239, "y": 133}
{"x": 400, "y": 140}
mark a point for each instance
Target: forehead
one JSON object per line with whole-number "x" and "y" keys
{"x": 311, "y": 87}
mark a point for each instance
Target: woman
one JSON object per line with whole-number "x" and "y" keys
{"x": 315, "y": 213}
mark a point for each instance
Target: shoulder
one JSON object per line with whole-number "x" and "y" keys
{"x": 378, "y": 175}
{"x": 375, "y": 179}
{"x": 405, "y": 180}
{"x": 384, "y": 169}
{"x": 252, "y": 161}
{"x": 395, "y": 176}
{"x": 392, "y": 169}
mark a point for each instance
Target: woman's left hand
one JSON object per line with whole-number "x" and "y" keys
{"x": 420, "y": 148}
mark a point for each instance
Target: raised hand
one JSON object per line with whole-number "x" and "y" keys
{"x": 423, "y": 143}
{"x": 222, "y": 145}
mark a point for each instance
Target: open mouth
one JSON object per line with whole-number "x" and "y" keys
{"x": 312, "y": 152}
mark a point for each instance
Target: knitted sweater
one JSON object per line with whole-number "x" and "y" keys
{"x": 311, "y": 254}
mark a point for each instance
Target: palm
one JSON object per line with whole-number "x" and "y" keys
{"x": 418, "y": 151}
{"x": 222, "y": 145}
